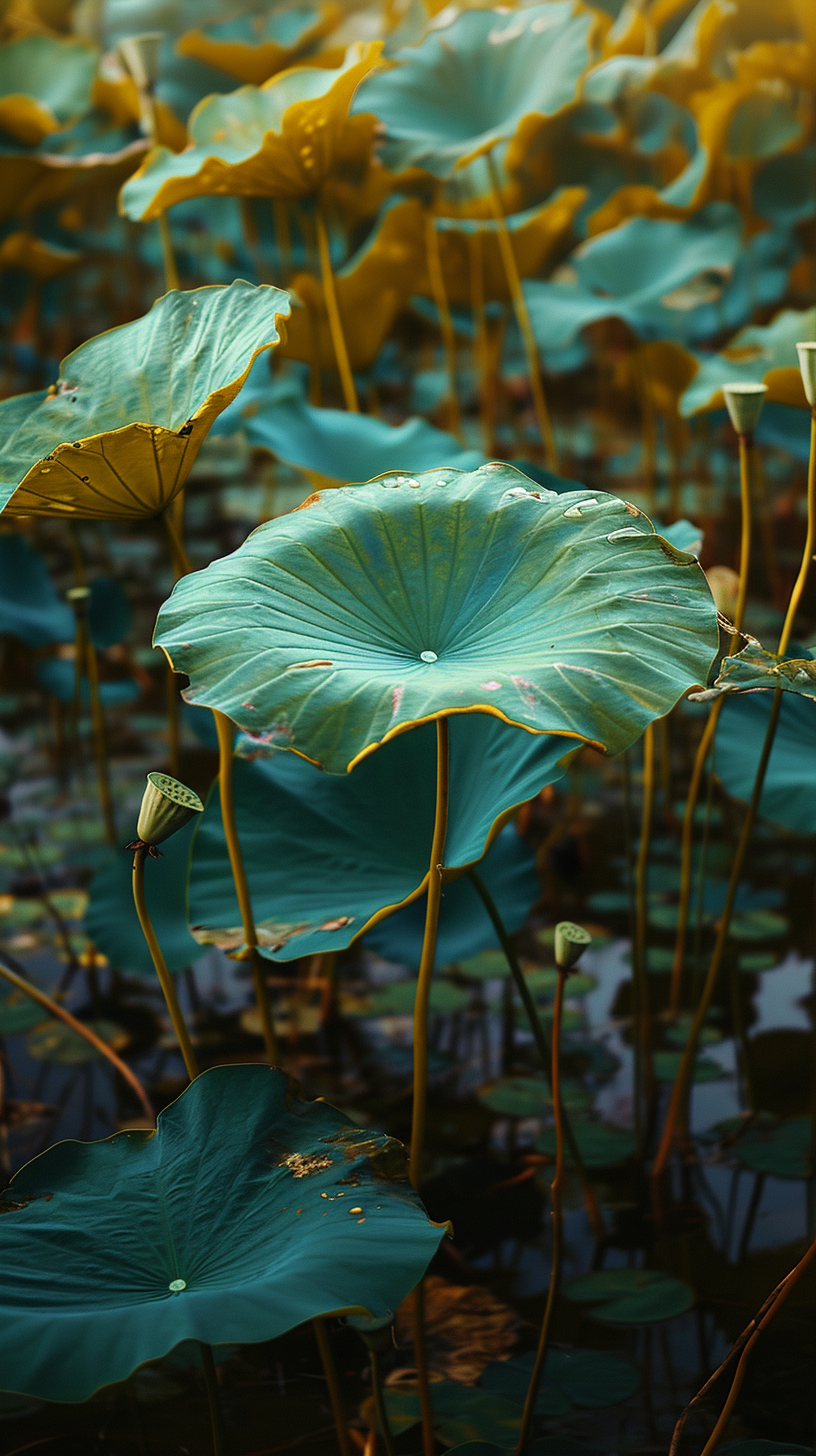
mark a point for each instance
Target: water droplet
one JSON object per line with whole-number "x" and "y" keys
{"x": 355, "y": 1210}
{"x": 176, "y": 1285}
{"x": 428, "y": 656}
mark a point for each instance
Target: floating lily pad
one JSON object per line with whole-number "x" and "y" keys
{"x": 218, "y": 1232}
{"x": 509, "y": 600}
{"x": 53, "y": 1041}
{"x": 678, "y": 1033}
{"x": 18, "y": 1012}
{"x": 588, "y": 1379}
{"x": 758, "y": 925}
{"x": 667, "y": 1065}
{"x": 489, "y": 965}
{"x": 631, "y": 1296}
{"x": 789, "y": 792}
{"x": 398, "y": 999}
{"x": 755, "y": 961}
{"x": 600, "y": 1144}
{"x": 528, "y": 1097}
{"x": 462, "y": 1413}
{"x": 782, "y": 1150}
{"x": 608, "y": 902}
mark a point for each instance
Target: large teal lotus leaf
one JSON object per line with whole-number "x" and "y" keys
{"x": 44, "y": 82}
{"x": 118, "y": 433}
{"x": 334, "y": 443}
{"x": 112, "y": 924}
{"x": 224, "y": 1196}
{"x": 508, "y": 870}
{"x": 681, "y": 280}
{"x": 468, "y": 85}
{"x": 789, "y": 793}
{"x": 787, "y": 428}
{"x": 750, "y": 356}
{"x": 29, "y": 606}
{"x": 378, "y": 606}
{"x": 326, "y": 853}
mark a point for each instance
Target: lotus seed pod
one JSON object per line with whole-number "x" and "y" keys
{"x": 807, "y": 365}
{"x": 570, "y": 943}
{"x": 167, "y": 806}
{"x": 76, "y": 595}
{"x": 744, "y": 404}
{"x": 140, "y": 56}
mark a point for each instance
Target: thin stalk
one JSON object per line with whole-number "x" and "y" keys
{"x": 171, "y": 277}
{"x": 557, "y": 1218}
{"x": 540, "y": 1036}
{"x": 437, "y": 280}
{"x": 165, "y": 979}
{"x": 87, "y": 655}
{"x": 379, "y": 1402}
{"x": 335, "y": 322}
{"x": 522, "y": 318}
{"x": 487, "y": 410}
{"x": 644, "y": 1071}
{"x": 283, "y": 237}
{"x": 421, "y": 1363}
{"x": 54, "y": 1009}
{"x": 182, "y": 566}
{"x": 335, "y": 1394}
{"x": 223, "y": 726}
{"x": 211, "y": 1382}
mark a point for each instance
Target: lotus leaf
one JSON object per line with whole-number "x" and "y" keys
{"x": 118, "y": 433}
{"x": 469, "y": 84}
{"x": 758, "y": 925}
{"x": 112, "y": 924}
{"x": 536, "y": 234}
{"x": 42, "y": 260}
{"x": 789, "y": 792}
{"x": 631, "y": 1296}
{"x": 667, "y": 1064}
{"x": 786, "y": 428}
{"x": 254, "y": 47}
{"x": 753, "y": 669}
{"x": 600, "y": 1144}
{"x": 36, "y": 179}
{"x": 783, "y": 188}
{"x": 29, "y": 606}
{"x": 327, "y": 853}
{"x": 279, "y": 140}
{"x": 398, "y": 999}
{"x": 18, "y": 1012}
{"x": 438, "y": 595}
{"x": 462, "y": 1413}
{"x": 53, "y": 1041}
{"x": 488, "y": 965}
{"x": 44, "y": 82}
{"x": 782, "y": 1150}
{"x": 114, "y": 1252}
{"x": 755, "y": 961}
{"x": 529, "y": 1097}
{"x": 332, "y": 443}
{"x": 756, "y": 354}
{"x": 58, "y": 676}
{"x": 588, "y": 1379}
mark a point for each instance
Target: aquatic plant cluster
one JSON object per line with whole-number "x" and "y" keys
{"x": 406, "y": 726}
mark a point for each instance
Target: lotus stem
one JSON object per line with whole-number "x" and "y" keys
{"x": 335, "y": 322}
{"x": 283, "y": 237}
{"x": 644, "y": 1071}
{"x": 223, "y": 726}
{"x": 86, "y": 655}
{"x": 482, "y": 343}
{"x": 211, "y": 1382}
{"x": 54, "y": 1009}
{"x": 379, "y": 1402}
{"x": 540, "y": 1036}
{"x": 522, "y": 318}
{"x": 165, "y": 979}
{"x": 182, "y": 566}
{"x": 433, "y": 260}
{"x": 557, "y": 1218}
{"x": 335, "y": 1394}
{"x": 421, "y": 1363}
{"x": 171, "y": 277}
{"x": 684, "y": 1072}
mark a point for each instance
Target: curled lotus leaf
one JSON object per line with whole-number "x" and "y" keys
{"x": 374, "y": 608}
{"x": 282, "y": 139}
{"x": 789, "y": 791}
{"x": 44, "y": 82}
{"x": 753, "y": 669}
{"x": 470, "y": 83}
{"x": 118, "y": 433}
{"x": 237, "y": 1219}
{"x": 254, "y": 47}
{"x": 327, "y": 856}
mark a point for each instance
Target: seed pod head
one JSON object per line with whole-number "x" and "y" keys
{"x": 167, "y": 806}
{"x": 744, "y": 404}
{"x": 140, "y": 57}
{"x": 570, "y": 943}
{"x": 807, "y": 365}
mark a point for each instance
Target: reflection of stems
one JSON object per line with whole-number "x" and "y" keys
{"x": 379, "y": 1402}
{"x": 440, "y": 297}
{"x": 211, "y": 1382}
{"x": 557, "y": 1218}
{"x": 423, "y": 993}
{"x": 682, "y": 1081}
{"x": 522, "y": 318}
{"x": 223, "y": 726}
{"x": 335, "y": 1396}
{"x": 333, "y": 311}
{"x": 540, "y": 1036}
{"x": 53, "y": 1009}
{"x": 644, "y": 1072}
{"x": 165, "y": 979}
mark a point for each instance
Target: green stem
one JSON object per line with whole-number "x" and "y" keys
{"x": 211, "y": 1382}
{"x": 165, "y": 979}
{"x": 224, "y": 726}
{"x": 335, "y": 1393}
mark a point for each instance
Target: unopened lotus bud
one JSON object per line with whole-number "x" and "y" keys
{"x": 724, "y": 585}
{"x": 167, "y": 806}
{"x": 141, "y": 56}
{"x": 744, "y": 404}
{"x": 570, "y": 943}
{"x": 807, "y": 365}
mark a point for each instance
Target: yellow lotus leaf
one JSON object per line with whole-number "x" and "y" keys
{"x": 45, "y": 82}
{"x": 371, "y": 290}
{"x": 634, "y": 200}
{"x": 666, "y": 371}
{"x": 536, "y": 235}
{"x": 281, "y": 140}
{"x": 36, "y": 179}
{"x": 254, "y": 60}
{"x": 785, "y": 387}
{"x": 43, "y": 260}
{"x": 117, "y": 435}
{"x": 118, "y": 95}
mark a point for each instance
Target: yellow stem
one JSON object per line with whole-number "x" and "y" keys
{"x": 182, "y": 566}
{"x": 224, "y": 727}
{"x": 440, "y": 297}
{"x": 333, "y": 311}
{"x": 335, "y": 1393}
{"x": 807, "y": 554}
{"x": 523, "y": 319}
{"x": 165, "y": 979}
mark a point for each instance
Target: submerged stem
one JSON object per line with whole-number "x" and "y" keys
{"x": 165, "y": 979}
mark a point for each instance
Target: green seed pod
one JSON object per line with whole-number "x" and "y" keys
{"x": 807, "y": 365}
{"x": 744, "y": 404}
{"x": 167, "y": 806}
{"x": 570, "y": 943}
